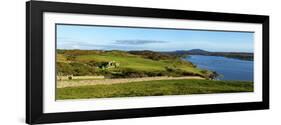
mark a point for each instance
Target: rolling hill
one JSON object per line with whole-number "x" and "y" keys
{"x": 134, "y": 73}
{"x": 122, "y": 64}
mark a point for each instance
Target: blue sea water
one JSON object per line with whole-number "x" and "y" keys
{"x": 228, "y": 68}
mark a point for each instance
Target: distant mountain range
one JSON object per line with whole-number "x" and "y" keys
{"x": 237, "y": 55}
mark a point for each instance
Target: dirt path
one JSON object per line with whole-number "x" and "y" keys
{"x": 72, "y": 83}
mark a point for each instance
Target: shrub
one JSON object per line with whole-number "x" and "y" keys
{"x": 153, "y": 55}
{"x": 76, "y": 69}
{"x": 69, "y": 77}
{"x": 70, "y": 58}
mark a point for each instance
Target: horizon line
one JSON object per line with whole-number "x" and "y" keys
{"x": 155, "y": 50}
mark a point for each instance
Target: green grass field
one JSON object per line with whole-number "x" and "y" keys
{"x": 154, "y": 88}
{"x": 127, "y": 61}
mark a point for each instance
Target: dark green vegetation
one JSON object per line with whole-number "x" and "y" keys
{"x": 122, "y": 64}
{"x": 154, "y": 88}
{"x": 236, "y": 55}
{"x": 244, "y": 56}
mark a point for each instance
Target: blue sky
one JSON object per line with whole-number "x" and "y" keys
{"x": 123, "y": 38}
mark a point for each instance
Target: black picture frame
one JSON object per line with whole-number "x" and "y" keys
{"x": 34, "y": 61}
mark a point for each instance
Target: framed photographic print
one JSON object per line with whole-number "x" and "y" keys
{"x": 95, "y": 62}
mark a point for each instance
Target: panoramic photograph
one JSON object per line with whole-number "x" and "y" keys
{"x": 113, "y": 61}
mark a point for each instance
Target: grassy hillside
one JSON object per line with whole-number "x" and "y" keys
{"x": 126, "y": 64}
{"x": 94, "y": 66}
{"x": 154, "y": 88}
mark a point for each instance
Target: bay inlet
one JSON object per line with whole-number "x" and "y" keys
{"x": 227, "y": 68}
